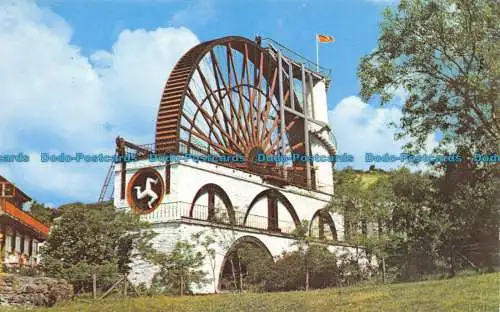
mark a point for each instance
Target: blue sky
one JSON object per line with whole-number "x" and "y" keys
{"x": 97, "y": 24}
{"x": 75, "y": 74}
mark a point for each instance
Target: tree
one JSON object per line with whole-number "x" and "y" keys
{"x": 206, "y": 241}
{"x": 85, "y": 241}
{"x": 470, "y": 207}
{"x": 302, "y": 241}
{"x": 124, "y": 254}
{"x": 322, "y": 267}
{"x": 254, "y": 264}
{"x": 381, "y": 202}
{"x": 41, "y": 212}
{"x": 318, "y": 263}
{"x": 445, "y": 54}
{"x": 288, "y": 273}
{"x": 247, "y": 264}
{"x": 349, "y": 201}
{"x": 415, "y": 225}
{"x": 179, "y": 269}
{"x": 315, "y": 268}
{"x": 426, "y": 224}
{"x": 367, "y": 201}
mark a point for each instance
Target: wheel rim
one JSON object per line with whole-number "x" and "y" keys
{"x": 222, "y": 99}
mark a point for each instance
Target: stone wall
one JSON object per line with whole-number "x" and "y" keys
{"x": 16, "y": 290}
{"x": 169, "y": 232}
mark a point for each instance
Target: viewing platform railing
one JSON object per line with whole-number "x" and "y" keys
{"x": 275, "y": 173}
{"x": 178, "y": 211}
{"x": 297, "y": 58}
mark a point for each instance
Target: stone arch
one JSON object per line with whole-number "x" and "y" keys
{"x": 239, "y": 243}
{"x": 273, "y": 198}
{"x": 213, "y": 190}
{"x": 323, "y": 217}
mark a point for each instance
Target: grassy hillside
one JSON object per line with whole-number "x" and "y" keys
{"x": 474, "y": 293}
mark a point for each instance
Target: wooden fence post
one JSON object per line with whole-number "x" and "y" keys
{"x": 94, "y": 286}
{"x": 125, "y": 285}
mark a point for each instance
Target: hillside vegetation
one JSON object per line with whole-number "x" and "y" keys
{"x": 474, "y": 293}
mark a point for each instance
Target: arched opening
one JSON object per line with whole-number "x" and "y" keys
{"x": 322, "y": 226}
{"x": 212, "y": 203}
{"x": 245, "y": 264}
{"x": 275, "y": 201}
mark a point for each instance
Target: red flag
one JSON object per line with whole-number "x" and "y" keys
{"x": 325, "y": 38}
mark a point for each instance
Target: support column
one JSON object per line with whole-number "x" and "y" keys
{"x": 321, "y": 224}
{"x": 290, "y": 80}
{"x": 14, "y": 240}
{"x": 2, "y": 248}
{"x": 272, "y": 213}
{"x": 311, "y": 86}
{"x": 211, "y": 205}
{"x": 120, "y": 151}
{"x": 282, "y": 108}
{"x": 167, "y": 174}
{"x": 306, "y": 126}
{"x": 123, "y": 179}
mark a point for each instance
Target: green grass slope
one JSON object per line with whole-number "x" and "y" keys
{"x": 473, "y": 293}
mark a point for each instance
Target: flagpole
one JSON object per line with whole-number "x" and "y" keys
{"x": 317, "y": 53}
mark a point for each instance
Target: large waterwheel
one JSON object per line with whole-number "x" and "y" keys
{"x": 222, "y": 98}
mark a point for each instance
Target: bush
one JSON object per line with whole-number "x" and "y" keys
{"x": 88, "y": 240}
{"x": 290, "y": 271}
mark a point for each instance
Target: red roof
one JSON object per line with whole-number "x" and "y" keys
{"x": 8, "y": 207}
{"x": 25, "y": 218}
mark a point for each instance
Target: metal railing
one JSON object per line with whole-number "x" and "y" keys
{"x": 273, "y": 172}
{"x": 297, "y": 58}
{"x": 178, "y": 211}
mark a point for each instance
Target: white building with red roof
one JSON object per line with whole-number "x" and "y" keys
{"x": 20, "y": 232}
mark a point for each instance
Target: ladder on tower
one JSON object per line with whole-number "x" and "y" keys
{"x": 107, "y": 181}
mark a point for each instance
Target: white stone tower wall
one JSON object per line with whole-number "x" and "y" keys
{"x": 320, "y": 101}
{"x": 319, "y": 104}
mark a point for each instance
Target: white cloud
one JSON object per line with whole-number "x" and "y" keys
{"x": 53, "y": 98}
{"x": 45, "y": 82}
{"x": 134, "y": 72}
{"x": 360, "y": 128}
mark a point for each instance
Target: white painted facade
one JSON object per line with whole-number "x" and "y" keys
{"x": 172, "y": 220}
{"x": 187, "y": 177}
